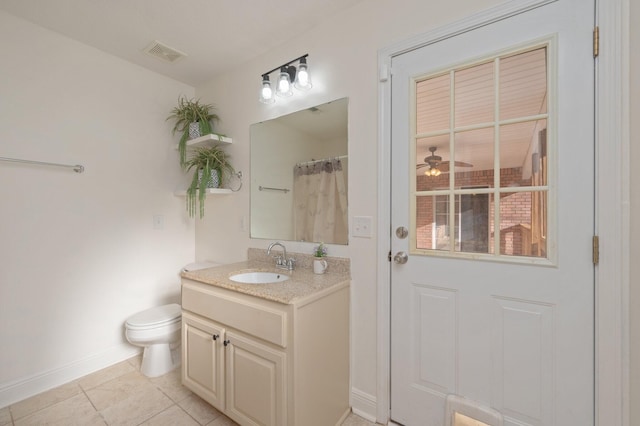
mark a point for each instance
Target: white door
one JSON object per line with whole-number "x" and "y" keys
{"x": 492, "y": 175}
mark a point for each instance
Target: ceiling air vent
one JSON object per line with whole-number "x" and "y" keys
{"x": 163, "y": 52}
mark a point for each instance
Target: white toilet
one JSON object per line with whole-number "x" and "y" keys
{"x": 157, "y": 330}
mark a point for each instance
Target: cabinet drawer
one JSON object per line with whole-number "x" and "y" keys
{"x": 259, "y": 321}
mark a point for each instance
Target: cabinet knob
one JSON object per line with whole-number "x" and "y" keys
{"x": 216, "y": 336}
{"x": 226, "y": 342}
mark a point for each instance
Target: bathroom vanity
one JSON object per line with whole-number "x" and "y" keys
{"x": 268, "y": 354}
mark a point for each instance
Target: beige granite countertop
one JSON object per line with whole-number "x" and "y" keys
{"x": 302, "y": 284}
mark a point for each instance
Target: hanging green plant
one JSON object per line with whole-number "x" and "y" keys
{"x": 188, "y": 112}
{"x": 207, "y": 164}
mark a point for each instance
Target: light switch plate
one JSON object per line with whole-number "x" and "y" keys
{"x": 362, "y": 226}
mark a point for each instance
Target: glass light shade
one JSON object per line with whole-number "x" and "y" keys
{"x": 432, "y": 172}
{"x": 303, "y": 79}
{"x": 266, "y": 93}
{"x": 284, "y": 84}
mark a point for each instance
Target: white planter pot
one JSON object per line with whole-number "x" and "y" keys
{"x": 214, "y": 181}
{"x": 194, "y": 130}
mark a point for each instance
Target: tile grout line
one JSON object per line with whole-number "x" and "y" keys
{"x": 165, "y": 394}
{"x": 175, "y": 403}
{"x": 188, "y": 414}
{"x": 92, "y": 404}
{"x": 155, "y": 415}
{"x": 147, "y": 380}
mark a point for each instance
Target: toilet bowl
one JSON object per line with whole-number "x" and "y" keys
{"x": 156, "y": 330}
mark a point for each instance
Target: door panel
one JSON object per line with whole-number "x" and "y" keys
{"x": 495, "y": 303}
{"x": 524, "y": 365}
{"x": 255, "y": 382}
{"x": 203, "y": 358}
{"x": 436, "y": 364}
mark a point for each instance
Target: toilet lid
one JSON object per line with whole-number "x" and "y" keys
{"x": 156, "y": 316}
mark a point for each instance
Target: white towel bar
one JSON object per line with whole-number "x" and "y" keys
{"x": 78, "y": 168}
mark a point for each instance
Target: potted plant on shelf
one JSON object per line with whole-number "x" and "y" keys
{"x": 211, "y": 169}
{"x": 193, "y": 120}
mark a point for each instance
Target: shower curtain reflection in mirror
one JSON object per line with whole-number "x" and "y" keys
{"x": 320, "y": 201}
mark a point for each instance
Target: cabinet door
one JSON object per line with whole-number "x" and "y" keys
{"x": 203, "y": 358}
{"x": 255, "y": 382}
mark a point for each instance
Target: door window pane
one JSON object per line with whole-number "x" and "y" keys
{"x": 433, "y": 104}
{"x": 473, "y": 236}
{"x": 432, "y": 222}
{"x": 523, "y": 84}
{"x": 523, "y": 224}
{"x": 523, "y": 154}
{"x": 431, "y": 172}
{"x": 474, "y": 95}
{"x": 474, "y": 158}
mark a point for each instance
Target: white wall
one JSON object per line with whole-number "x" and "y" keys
{"x": 343, "y": 62}
{"x": 78, "y": 252}
{"x": 634, "y": 281}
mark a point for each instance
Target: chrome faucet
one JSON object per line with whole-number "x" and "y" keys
{"x": 282, "y": 262}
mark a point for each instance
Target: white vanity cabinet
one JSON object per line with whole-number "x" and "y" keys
{"x": 262, "y": 362}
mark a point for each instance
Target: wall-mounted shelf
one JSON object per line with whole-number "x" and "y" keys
{"x": 207, "y": 140}
{"x": 204, "y": 141}
{"x": 216, "y": 191}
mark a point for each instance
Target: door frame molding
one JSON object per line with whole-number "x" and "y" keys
{"x": 612, "y": 205}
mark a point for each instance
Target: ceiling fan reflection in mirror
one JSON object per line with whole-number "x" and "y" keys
{"x": 435, "y": 164}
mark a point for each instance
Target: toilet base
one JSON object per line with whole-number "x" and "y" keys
{"x": 157, "y": 360}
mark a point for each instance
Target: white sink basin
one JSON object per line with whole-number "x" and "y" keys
{"x": 258, "y": 277}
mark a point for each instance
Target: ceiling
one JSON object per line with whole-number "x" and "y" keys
{"x": 216, "y": 35}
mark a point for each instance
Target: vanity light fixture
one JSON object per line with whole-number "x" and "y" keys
{"x": 266, "y": 94}
{"x": 303, "y": 79}
{"x": 288, "y": 78}
{"x": 284, "y": 81}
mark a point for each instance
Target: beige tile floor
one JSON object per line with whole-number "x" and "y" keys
{"x": 121, "y": 395}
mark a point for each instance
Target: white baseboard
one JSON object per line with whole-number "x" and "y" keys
{"x": 363, "y": 404}
{"x": 17, "y": 390}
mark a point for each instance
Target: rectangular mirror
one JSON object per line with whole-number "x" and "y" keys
{"x": 299, "y": 169}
